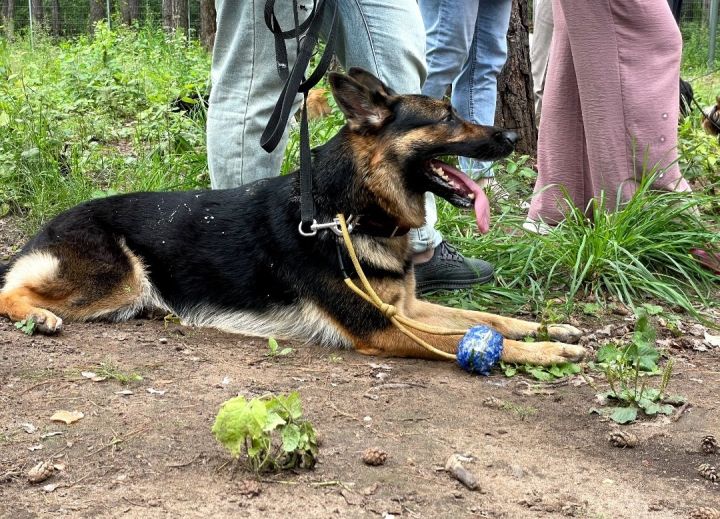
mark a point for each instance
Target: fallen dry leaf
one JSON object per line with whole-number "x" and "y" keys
{"x": 67, "y": 417}
{"x": 28, "y": 427}
{"x": 712, "y": 340}
{"x": 93, "y": 376}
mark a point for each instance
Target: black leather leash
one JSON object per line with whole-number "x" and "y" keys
{"x": 306, "y": 37}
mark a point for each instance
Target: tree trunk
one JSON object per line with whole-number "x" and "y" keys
{"x": 174, "y": 13}
{"x": 97, "y": 13}
{"x": 130, "y": 10}
{"x": 7, "y": 18}
{"x": 207, "y": 23}
{"x": 167, "y": 14}
{"x": 55, "y": 22}
{"x": 515, "y": 108}
{"x": 180, "y": 16}
{"x": 38, "y": 13}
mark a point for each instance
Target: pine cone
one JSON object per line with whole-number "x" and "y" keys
{"x": 249, "y": 488}
{"x": 709, "y": 444}
{"x": 494, "y": 402}
{"x": 374, "y": 456}
{"x": 40, "y": 472}
{"x": 708, "y": 472}
{"x": 623, "y": 439}
{"x": 704, "y": 512}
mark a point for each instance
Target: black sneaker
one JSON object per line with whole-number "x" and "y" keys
{"x": 448, "y": 270}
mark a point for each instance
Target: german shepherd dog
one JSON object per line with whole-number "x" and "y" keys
{"x": 234, "y": 259}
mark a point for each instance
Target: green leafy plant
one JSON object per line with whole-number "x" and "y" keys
{"x": 542, "y": 373}
{"x": 110, "y": 370}
{"x": 274, "y": 349}
{"x": 27, "y": 326}
{"x": 627, "y": 369}
{"x": 269, "y": 432}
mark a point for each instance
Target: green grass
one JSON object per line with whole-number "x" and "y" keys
{"x": 91, "y": 116}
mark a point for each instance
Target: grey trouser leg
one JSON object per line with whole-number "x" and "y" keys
{"x": 385, "y": 37}
{"x": 540, "y": 49}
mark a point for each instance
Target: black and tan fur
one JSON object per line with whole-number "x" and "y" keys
{"x": 234, "y": 260}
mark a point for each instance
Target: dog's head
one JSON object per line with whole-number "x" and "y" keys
{"x": 397, "y": 141}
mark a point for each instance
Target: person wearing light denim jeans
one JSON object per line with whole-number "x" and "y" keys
{"x": 466, "y": 48}
{"x": 385, "y": 37}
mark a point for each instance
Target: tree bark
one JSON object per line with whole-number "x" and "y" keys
{"x": 97, "y": 13}
{"x": 515, "y": 107}
{"x": 175, "y": 15}
{"x": 130, "y": 10}
{"x": 7, "y": 18}
{"x": 38, "y": 13}
{"x": 207, "y": 23}
{"x": 55, "y": 22}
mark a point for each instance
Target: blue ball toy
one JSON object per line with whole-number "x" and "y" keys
{"x": 480, "y": 349}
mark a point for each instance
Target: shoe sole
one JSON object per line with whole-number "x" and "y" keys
{"x": 431, "y": 286}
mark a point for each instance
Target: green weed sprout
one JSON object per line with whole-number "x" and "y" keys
{"x": 269, "y": 432}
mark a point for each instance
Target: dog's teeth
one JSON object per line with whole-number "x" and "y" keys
{"x": 471, "y": 196}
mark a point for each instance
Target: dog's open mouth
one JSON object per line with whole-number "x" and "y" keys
{"x": 457, "y": 188}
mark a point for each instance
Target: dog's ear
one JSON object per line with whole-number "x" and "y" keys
{"x": 372, "y": 83}
{"x": 365, "y": 110}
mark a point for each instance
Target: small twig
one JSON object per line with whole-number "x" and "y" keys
{"x": 116, "y": 441}
{"x": 280, "y": 481}
{"x": 35, "y": 386}
{"x": 680, "y": 411}
{"x": 464, "y": 476}
{"x": 134, "y": 503}
{"x": 185, "y": 464}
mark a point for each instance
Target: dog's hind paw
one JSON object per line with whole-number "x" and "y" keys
{"x": 564, "y": 333}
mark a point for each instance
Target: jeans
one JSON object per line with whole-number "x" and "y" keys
{"x": 466, "y": 48}
{"x": 385, "y": 37}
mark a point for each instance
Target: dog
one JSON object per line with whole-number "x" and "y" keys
{"x": 234, "y": 259}
{"x": 711, "y": 119}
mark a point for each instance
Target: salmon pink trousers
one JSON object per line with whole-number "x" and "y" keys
{"x": 610, "y": 108}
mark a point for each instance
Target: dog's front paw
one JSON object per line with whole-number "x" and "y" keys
{"x": 564, "y": 333}
{"x": 45, "y": 322}
{"x": 556, "y": 353}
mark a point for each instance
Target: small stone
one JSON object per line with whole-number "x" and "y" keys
{"x": 163, "y": 340}
{"x": 374, "y": 457}
{"x": 623, "y": 439}
{"x": 40, "y": 472}
{"x": 249, "y": 488}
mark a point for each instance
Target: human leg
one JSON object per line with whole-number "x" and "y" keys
{"x": 474, "y": 92}
{"x": 245, "y": 88}
{"x": 449, "y": 30}
{"x": 540, "y": 48}
{"x": 561, "y": 139}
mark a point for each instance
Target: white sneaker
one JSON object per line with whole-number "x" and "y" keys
{"x": 537, "y": 227}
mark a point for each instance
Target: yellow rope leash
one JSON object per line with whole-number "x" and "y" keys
{"x": 391, "y": 312}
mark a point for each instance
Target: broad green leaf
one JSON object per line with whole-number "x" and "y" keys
{"x": 290, "y": 437}
{"x": 272, "y": 421}
{"x": 666, "y": 409}
{"x": 4, "y": 119}
{"x": 674, "y": 400}
{"x": 624, "y": 414}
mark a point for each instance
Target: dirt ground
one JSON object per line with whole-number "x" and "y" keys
{"x": 151, "y": 454}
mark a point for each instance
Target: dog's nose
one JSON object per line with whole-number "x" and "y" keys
{"x": 511, "y": 137}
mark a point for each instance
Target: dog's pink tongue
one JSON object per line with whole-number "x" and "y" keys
{"x": 482, "y": 204}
